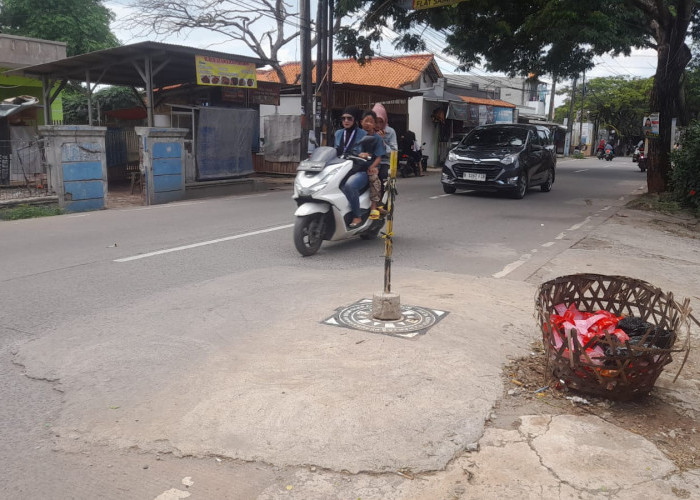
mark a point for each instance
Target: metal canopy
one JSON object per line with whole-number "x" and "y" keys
{"x": 145, "y": 64}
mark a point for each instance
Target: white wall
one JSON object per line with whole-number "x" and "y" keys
{"x": 419, "y": 121}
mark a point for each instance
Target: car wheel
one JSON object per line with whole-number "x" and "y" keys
{"x": 521, "y": 187}
{"x": 546, "y": 187}
{"x": 449, "y": 189}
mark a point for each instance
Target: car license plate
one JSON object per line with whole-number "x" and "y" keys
{"x": 473, "y": 176}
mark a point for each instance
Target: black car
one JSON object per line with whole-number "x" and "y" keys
{"x": 502, "y": 157}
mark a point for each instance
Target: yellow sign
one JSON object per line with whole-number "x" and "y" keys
{"x": 225, "y": 73}
{"x": 429, "y": 4}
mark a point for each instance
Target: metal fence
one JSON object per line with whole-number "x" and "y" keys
{"x": 23, "y": 170}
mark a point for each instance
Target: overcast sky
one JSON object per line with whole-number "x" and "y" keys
{"x": 641, "y": 63}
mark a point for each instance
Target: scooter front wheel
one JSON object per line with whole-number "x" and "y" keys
{"x": 307, "y": 234}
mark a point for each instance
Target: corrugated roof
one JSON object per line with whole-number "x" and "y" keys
{"x": 381, "y": 71}
{"x": 488, "y": 102}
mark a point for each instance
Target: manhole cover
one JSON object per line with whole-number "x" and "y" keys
{"x": 415, "y": 320}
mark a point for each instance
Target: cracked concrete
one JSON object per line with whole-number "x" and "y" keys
{"x": 281, "y": 406}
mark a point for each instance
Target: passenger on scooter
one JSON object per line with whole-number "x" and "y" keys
{"x": 388, "y": 134}
{"x": 369, "y": 124}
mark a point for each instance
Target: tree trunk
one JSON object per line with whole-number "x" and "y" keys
{"x": 280, "y": 74}
{"x": 673, "y": 57}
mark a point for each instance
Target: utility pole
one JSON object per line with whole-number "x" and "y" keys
{"x": 583, "y": 98}
{"x": 551, "y": 97}
{"x": 306, "y": 87}
{"x": 329, "y": 78}
{"x": 570, "y": 121}
{"x": 320, "y": 89}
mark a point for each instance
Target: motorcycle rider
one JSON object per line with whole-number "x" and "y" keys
{"x": 601, "y": 146}
{"x": 347, "y": 138}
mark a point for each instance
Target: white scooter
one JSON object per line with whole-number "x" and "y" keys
{"x": 323, "y": 211}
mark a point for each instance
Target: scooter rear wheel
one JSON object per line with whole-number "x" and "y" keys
{"x": 307, "y": 234}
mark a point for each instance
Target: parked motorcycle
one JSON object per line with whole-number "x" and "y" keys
{"x": 408, "y": 164}
{"x": 609, "y": 155}
{"x": 412, "y": 162}
{"x": 323, "y": 211}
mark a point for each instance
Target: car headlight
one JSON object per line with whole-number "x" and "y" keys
{"x": 510, "y": 159}
{"x": 452, "y": 156}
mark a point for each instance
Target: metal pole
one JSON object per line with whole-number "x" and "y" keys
{"x": 320, "y": 71}
{"x": 570, "y": 121}
{"x": 388, "y": 245}
{"x": 551, "y": 97}
{"x": 583, "y": 97}
{"x": 329, "y": 78}
{"x": 306, "y": 90}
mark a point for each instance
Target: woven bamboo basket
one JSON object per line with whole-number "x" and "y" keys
{"x": 627, "y": 371}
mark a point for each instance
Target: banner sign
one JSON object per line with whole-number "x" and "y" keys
{"x": 264, "y": 94}
{"x": 650, "y": 125}
{"x": 225, "y": 73}
{"x": 502, "y": 115}
{"x": 458, "y": 111}
{"x": 429, "y": 4}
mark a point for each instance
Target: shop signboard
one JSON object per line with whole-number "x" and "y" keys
{"x": 264, "y": 94}
{"x": 225, "y": 73}
{"x": 429, "y": 4}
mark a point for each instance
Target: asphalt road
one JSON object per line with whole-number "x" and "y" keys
{"x": 53, "y": 270}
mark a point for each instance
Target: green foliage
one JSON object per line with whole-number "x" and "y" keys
{"x": 513, "y": 36}
{"x": 615, "y": 100}
{"x": 685, "y": 175}
{"x": 692, "y": 84}
{"x": 75, "y": 107}
{"x": 82, "y": 24}
{"x": 29, "y": 211}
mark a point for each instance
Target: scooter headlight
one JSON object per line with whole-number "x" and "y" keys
{"x": 321, "y": 183}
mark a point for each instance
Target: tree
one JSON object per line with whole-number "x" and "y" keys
{"x": 551, "y": 36}
{"x": 82, "y": 24}
{"x": 691, "y": 83}
{"x": 617, "y": 101}
{"x": 265, "y": 29}
{"x": 75, "y": 104}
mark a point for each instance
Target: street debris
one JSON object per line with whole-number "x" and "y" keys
{"x": 187, "y": 481}
{"x": 578, "y": 399}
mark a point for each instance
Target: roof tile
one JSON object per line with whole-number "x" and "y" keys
{"x": 382, "y": 71}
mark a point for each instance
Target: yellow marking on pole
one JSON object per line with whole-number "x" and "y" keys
{"x": 388, "y": 235}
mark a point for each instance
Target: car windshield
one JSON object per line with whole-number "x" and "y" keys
{"x": 496, "y": 137}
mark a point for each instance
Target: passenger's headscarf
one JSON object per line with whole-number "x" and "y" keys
{"x": 348, "y": 137}
{"x": 380, "y": 111}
